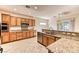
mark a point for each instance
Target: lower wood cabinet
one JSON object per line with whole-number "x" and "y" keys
{"x": 19, "y": 35}
{"x": 5, "y": 37}
{"x": 47, "y": 40}
{"x": 24, "y": 35}
{"x": 31, "y": 33}
{"x": 13, "y": 36}
{"x": 27, "y": 34}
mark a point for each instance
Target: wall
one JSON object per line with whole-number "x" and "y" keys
{"x": 38, "y": 21}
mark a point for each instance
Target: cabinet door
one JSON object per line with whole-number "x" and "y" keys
{"x": 18, "y": 21}
{"x": 12, "y": 36}
{"x": 24, "y": 35}
{"x": 34, "y": 33}
{"x": 27, "y": 34}
{"x": 23, "y": 20}
{"x": 5, "y": 37}
{"x": 13, "y": 21}
{"x": 33, "y": 22}
{"x": 30, "y": 22}
{"x": 51, "y": 40}
{"x": 31, "y": 33}
{"x": 45, "y": 40}
{"x": 27, "y": 20}
{"x": 19, "y": 36}
{"x": 6, "y": 18}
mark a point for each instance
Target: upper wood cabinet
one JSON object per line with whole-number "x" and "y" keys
{"x": 6, "y": 18}
{"x": 18, "y": 21}
{"x": 5, "y": 37}
{"x": 13, "y": 21}
{"x": 30, "y": 22}
{"x": 23, "y": 20}
{"x": 27, "y": 20}
{"x": 33, "y": 22}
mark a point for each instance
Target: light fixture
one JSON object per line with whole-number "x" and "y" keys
{"x": 15, "y": 9}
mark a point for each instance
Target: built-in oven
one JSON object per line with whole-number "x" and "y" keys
{"x": 4, "y": 27}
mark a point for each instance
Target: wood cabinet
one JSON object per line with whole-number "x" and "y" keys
{"x": 33, "y": 22}
{"x": 6, "y": 18}
{"x": 5, "y": 37}
{"x": 27, "y": 34}
{"x": 45, "y": 40}
{"x": 30, "y": 22}
{"x": 18, "y": 21}
{"x": 51, "y": 40}
{"x": 35, "y": 33}
{"x": 31, "y": 33}
{"x": 23, "y": 20}
{"x": 19, "y": 35}
{"x": 27, "y": 20}
{"x": 12, "y": 36}
{"x": 13, "y": 21}
{"x": 24, "y": 35}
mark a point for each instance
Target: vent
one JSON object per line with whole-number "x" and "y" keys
{"x": 27, "y": 6}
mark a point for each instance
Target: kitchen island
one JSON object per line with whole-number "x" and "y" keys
{"x": 67, "y": 42}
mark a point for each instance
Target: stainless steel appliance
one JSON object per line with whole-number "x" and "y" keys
{"x": 24, "y": 24}
{"x": 4, "y": 27}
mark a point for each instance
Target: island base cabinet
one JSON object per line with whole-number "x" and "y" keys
{"x": 47, "y": 40}
{"x": 44, "y": 40}
{"x": 5, "y": 37}
{"x": 51, "y": 40}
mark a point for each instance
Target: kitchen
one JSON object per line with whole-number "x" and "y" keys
{"x": 37, "y": 29}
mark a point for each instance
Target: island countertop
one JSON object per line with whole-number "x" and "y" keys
{"x": 64, "y": 45}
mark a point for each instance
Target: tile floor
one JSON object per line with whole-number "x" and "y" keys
{"x": 24, "y": 46}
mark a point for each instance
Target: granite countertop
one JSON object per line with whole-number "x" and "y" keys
{"x": 64, "y": 45}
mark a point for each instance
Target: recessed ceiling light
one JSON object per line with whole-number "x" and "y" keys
{"x": 15, "y": 9}
{"x": 35, "y": 7}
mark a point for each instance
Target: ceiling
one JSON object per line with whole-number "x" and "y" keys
{"x": 44, "y": 11}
